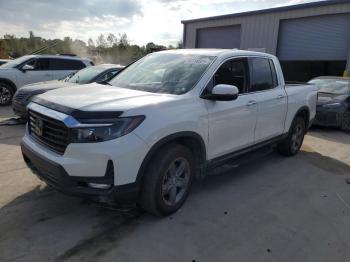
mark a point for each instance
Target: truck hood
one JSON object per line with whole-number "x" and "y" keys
{"x": 96, "y": 97}
{"x": 45, "y": 86}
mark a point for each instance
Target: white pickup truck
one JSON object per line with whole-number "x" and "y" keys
{"x": 163, "y": 121}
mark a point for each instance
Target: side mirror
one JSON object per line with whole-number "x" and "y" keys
{"x": 222, "y": 92}
{"x": 27, "y": 67}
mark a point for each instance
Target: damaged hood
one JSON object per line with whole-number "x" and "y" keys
{"x": 96, "y": 97}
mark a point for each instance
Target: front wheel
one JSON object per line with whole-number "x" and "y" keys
{"x": 167, "y": 180}
{"x": 291, "y": 145}
{"x": 6, "y": 94}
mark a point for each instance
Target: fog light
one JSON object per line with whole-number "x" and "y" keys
{"x": 99, "y": 186}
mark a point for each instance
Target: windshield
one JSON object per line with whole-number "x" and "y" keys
{"x": 332, "y": 86}
{"x": 14, "y": 63}
{"x": 86, "y": 75}
{"x": 164, "y": 73}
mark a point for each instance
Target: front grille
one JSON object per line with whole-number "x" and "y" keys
{"x": 50, "y": 132}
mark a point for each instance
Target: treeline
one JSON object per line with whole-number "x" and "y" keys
{"x": 105, "y": 49}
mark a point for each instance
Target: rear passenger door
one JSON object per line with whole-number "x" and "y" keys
{"x": 63, "y": 67}
{"x": 40, "y": 72}
{"x": 271, "y": 98}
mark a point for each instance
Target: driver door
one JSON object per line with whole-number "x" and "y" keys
{"x": 231, "y": 123}
{"x": 40, "y": 72}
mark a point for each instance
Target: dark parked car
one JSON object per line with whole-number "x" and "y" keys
{"x": 333, "y": 104}
{"x": 98, "y": 73}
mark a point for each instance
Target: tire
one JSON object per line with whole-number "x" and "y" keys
{"x": 345, "y": 124}
{"x": 291, "y": 145}
{"x": 6, "y": 94}
{"x": 167, "y": 181}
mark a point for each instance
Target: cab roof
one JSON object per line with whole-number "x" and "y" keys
{"x": 216, "y": 52}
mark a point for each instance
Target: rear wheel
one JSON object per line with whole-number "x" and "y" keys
{"x": 292, "y": 144}
{"x": 345, "y": 124}
{"x": 167, "y": 180}
{"x": 6, "y": 94}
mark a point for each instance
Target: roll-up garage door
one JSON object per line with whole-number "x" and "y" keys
{"x": 319, "y": 38}
{"x": 219, "y": 37}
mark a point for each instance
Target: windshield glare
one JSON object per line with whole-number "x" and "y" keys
{"x": 164, "y": 73}
{"x": 332, "y": 86}
{"x": 14, "y": 63}
{"x": 85, "y": 75}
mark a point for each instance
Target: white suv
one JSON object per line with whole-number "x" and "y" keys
{"x": 163, "y": 121}
{"x": 36, "y": 68}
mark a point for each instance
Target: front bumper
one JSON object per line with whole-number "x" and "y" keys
{"x": 331, "y": 117}
{"x": 55, "y": 176}
{"x": 19, "y": 109}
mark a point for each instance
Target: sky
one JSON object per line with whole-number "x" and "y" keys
{"x": 143, "y": 21}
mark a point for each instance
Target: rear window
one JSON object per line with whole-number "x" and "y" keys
{"x": 66, "y": 64}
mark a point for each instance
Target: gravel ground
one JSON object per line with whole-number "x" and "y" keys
{"x": 273, "y": 209}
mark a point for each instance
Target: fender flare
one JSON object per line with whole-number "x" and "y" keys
{"x": 176, "y": 138}
{"x": 302, "y": 111}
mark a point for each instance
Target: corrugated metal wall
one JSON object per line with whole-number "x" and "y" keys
{"x": 219, "y": 37}
{"x": 260, "y": 30}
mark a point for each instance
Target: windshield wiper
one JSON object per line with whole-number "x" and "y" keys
{"x": 104, "y": 83}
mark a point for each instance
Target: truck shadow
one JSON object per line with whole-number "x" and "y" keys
{"x": 83, "y": 229}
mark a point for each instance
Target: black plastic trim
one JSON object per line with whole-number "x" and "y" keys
{"x": 76, "y": 113}
{"x": 169, "y": 139}
{"x": 55, "y": 175}
{"x": 233, "y": 155}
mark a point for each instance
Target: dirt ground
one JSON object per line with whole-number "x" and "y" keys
{"x": 273, "y": 209}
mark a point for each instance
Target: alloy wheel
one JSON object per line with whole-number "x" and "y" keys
{"x": 297, "y": 137}
{"x": 176, "y": 181}
{"x": 5, "y": 95}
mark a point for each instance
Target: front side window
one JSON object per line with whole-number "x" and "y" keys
{"x": 260, "y": 75}
{"x": 40, "y": 64}
{"x": 232, "y": 72}
{"x": 107, "y": 76}
{"x": 169, "y": 73}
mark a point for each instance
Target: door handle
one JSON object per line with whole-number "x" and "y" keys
{"x": 280, "y": 96}
{"x": 251, "y": 103}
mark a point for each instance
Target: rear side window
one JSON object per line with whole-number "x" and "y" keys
{"x": 66, "y": 64}
{"x": 274, "y": 74}
{"x": 232, "y": 72}
{"x": 261, "y": 75}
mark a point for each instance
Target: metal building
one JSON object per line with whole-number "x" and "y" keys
{"x": 310, "y": 39}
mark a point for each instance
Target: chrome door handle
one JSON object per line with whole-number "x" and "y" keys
{"x": 251, "y": 103}
{"x": 280, "y": 96}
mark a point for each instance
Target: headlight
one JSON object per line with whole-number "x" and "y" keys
{"x": 332, "y": 105}
{"x": 105, "y": 131}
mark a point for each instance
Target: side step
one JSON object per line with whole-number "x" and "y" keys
{"x": 221, "y": 166}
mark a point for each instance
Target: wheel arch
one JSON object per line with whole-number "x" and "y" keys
{"x": 304, "y": 112}
{"x": 9, "y": 82}
{"x": 189, "y": 139}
